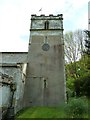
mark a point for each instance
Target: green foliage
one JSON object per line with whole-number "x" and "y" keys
{"x": 78, "y": 77}
{"x": 77, "y": 70}
{"x": 87, "y": 45}
{"x": 82, "y": 85}
{"x": 76, "y": 108}
{"x": 70, "y": 76}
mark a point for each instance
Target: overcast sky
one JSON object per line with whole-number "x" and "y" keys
{"x": 15, "y": 19}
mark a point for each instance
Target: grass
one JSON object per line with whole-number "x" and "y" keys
{"x": 41, "y": 112}
{"x": 48, "y": 112}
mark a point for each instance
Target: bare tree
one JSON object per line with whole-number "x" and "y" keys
{"x": 74, "y": 45}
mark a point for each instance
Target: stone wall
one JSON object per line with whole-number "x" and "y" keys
{"x": 14, "y": 64}
{"x": 13, "y": 57}
{"x": 45, "y": 82}
{"x": 4, "y": 90}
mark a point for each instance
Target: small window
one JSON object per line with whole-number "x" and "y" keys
{"x": 45, "y": 84}
{"x": 46, "y": 25}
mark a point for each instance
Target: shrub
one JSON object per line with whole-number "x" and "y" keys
{"x": 82, "y": 86}
{"x": 76, "y": 108}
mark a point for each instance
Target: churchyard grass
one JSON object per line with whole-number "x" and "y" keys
{"x": 41, "y": 112}
{"x": 45, "y": 112}
{"x": 76, "y": 108}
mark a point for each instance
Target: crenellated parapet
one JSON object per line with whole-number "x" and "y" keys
{"x": 43, "y": 16}
{"x": 42, "y": 22}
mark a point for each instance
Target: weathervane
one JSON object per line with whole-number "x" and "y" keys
{"x": 40, "y": 11}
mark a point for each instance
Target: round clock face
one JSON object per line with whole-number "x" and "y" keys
{"x": 45, "y": 47}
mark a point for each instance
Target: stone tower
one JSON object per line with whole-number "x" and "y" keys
{"x": 45, "y": 83}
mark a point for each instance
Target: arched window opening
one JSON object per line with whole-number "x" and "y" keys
{"x": 46, "y": 25}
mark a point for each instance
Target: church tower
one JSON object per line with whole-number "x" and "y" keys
{"x": 45, "y": 83}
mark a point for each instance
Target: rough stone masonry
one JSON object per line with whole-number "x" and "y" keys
{"x": 45, "y": 80}
{"x": 39, "y": 74}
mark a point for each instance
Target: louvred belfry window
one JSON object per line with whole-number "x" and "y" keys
{"x": 46, "y": 25}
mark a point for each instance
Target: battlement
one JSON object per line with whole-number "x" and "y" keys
{"x": 50, "y": 22}
{"x": 43, "y": 17}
